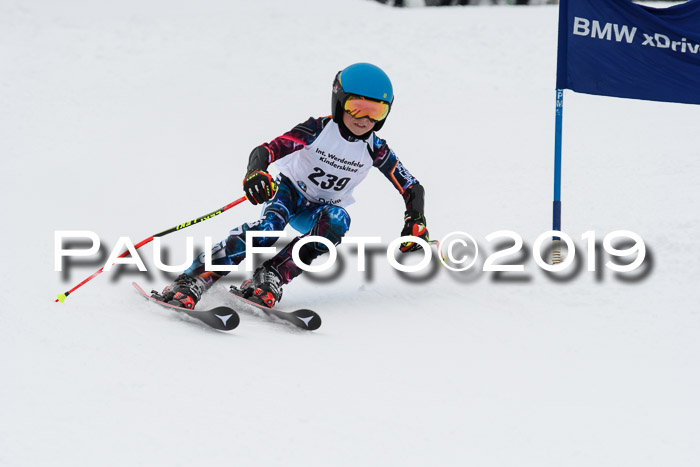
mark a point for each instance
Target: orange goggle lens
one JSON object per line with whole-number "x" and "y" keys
{"x": 360, "y": 107}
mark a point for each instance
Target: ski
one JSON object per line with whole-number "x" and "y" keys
{"x": 222, "y": 318}
{"x": 302, "y": 318}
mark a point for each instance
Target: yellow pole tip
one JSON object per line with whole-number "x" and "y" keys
{"x": 61, "y": 297}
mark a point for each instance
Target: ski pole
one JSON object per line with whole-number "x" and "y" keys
{"x": 439, "y": 250}
{"x": 61, "y": 297}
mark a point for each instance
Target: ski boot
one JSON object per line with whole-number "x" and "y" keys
{"x": 265, "y": 287}
{"x": 185, "y": 292}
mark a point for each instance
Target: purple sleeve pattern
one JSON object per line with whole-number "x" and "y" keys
{"x": 390, "y": 165}
{"x": 301, "y": 135}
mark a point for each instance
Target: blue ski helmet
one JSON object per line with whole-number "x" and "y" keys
{"x": 364, "y": 80}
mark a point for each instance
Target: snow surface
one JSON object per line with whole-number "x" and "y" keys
{"x": 125, "y": 118}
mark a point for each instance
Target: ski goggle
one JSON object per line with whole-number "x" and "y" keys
{"x": 359, "y": 107}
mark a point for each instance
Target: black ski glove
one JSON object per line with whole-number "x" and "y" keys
{"x": 258, "y": 186}
{"x": 414, "y": 225}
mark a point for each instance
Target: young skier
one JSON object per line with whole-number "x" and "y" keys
{"x": 321, "y": 161}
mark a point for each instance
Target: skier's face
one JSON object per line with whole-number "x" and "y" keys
{"x": 358, "y": 126}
